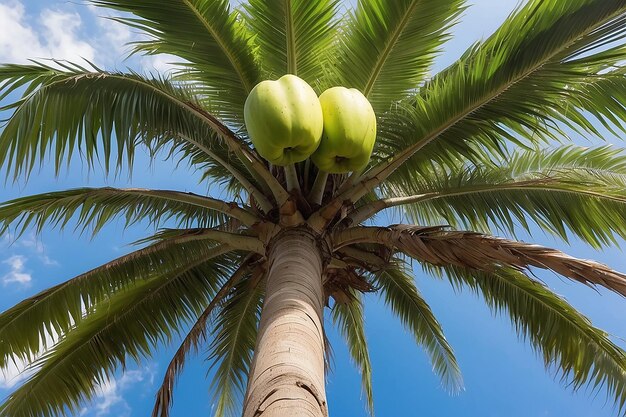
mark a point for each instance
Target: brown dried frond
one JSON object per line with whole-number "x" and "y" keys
{"x": 441, "y": 246}
{"x": 339, "y": 284}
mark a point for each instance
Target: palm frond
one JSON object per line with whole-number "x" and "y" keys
{"x": 95, "y": 207}
{"x": 93, "y": 111}
{"x": 244, "y": 239}
{"x": 235, "y": 338}
{"x": 548, "y": 63}
{"x": 565, "y": 190}
{"x": 129, "y": 324}
{"x": 566, "y": 340}
{"x": 440, "y": 247}
{"x": 212, "y": 43}
{"x": 349, "y": 319}
{"x": 388, "y": 47}
{"x": 104, "y": 116}
{"x": 191, "y": 343}
{"x": 293, "y": 36}
{"x": 404, "y": 299}
{"x": 23, "y": 328}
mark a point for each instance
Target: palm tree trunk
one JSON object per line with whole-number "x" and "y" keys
{"x": 287, "y": 373}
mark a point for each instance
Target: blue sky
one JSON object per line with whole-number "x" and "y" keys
{"x": 503, "y": 376}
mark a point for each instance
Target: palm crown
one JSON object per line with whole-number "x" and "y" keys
{"x": 463, "y": 153}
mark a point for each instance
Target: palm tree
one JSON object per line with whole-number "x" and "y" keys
{"x": 475, "y": 149}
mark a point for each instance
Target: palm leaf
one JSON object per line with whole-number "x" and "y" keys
{"x": 533, "y": 74}
{"x": 213, "y": 46}
{"x": 129, "y": 324}
{"x": 349, "y": 319}
{"x": 565, "y": 190}
{"x": 191, "y": 343}
{"x": 76, "y": 108}
{"x": 95, "y": 207}
{"x": 404, "y": 299}
{"x": 293, "y": 36}
{"x": 24, "y": 327}
{"x": 389, "y": 47}
{"x": 566, "y": 340}
{"x": 235, "y": 338}
{"x": 548, "y": 63}
{"x": 437, "y": 246}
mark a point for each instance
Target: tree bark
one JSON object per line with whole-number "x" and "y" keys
{"x": 287, "y": 374}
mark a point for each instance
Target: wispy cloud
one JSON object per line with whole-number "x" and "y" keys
{"x": 32, "y": 243}
{"x": 110, "y": 398}
{"x": 16, "y": 370}
{"x": 12, "y": 374}
{"x": 58, "y": 35}
{"x": 22, "y": 251}
{"x": 115, "y": 38}
{"x": 66, "y": 34}
{"x": 162, "y": 64}
{"x": 112, "y": 38}
{"x": 17, "y": 272}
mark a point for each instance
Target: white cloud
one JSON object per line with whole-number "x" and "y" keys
{"x": 61, "y": 32}
{"x": 12, "y": 374}
{"x": 15, "y": 370}
{"x": 162, "y": 64}
{"x": 65, "y": 34}
{"x": 109, "y": 398}
{"x": 17, "y": 273}
{"x": 31, "y": 242}
{"x": 113, "y": 37}
{"x": 57, "y": 35}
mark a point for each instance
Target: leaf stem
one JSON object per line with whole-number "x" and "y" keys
{"x": 291, "y": 176}
{"x": 317, "y": 191}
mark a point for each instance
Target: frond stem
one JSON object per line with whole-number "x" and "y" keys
{"x": 317, "y": 191}
{"x": 292, "y": 63}
{"x": 231, "y": 209}
{"x": 291, "y": 177}
{"x": 237, "y": 241}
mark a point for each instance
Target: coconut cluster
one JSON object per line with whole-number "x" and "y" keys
{"x": 288, "y": 123}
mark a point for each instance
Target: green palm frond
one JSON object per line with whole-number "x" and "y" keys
{"x": 388, "y": 47}
{"x": 129, "y": 324}
{"x": 196, "y": 336}
{"x": 23, "y": 327}
{"x": 293, "y": 36}
{"x": 548, "y": 63}
{"x": 95, "y": 207}
{"x": 235, "y": 334}
{"x": 438, "y": 246}
{"x": 75, "y": 108}
{"x": 213, "y": 45}
{"x": 349, "y": 319}
{"x": 402, "y": 296}
{"x": 565, "y": 339}
{"x": 564, "y": 190}
{"x": 106, "y": 115}
{"x": 227, "y": 233}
